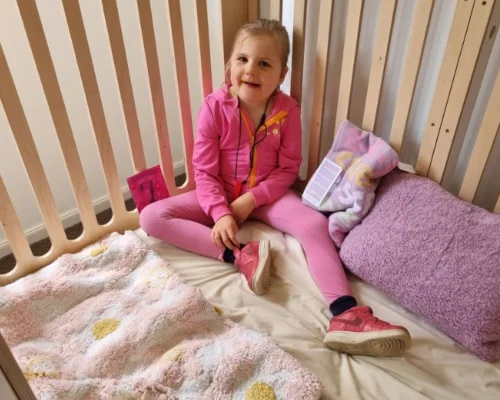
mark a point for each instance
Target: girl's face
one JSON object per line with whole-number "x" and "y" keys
{"x": 256, "y": 69}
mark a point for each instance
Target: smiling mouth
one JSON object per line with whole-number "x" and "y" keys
{"x": 252, "y": 85}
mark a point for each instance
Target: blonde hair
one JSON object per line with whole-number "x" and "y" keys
{"x": 262, "y": 27}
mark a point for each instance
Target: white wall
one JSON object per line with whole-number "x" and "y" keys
{"x": 18, "y": 53}
{"x": 15, "y": 45}
{"x": 481, "y": 87}
{"x": 6, "y": 390}
{"x": 486, "y": 71}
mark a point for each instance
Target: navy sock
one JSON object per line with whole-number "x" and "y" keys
{"x": 228, "y": 255}
{"x": 342, "y": 304}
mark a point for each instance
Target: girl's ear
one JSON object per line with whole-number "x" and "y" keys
{"x": 283, "y": 74}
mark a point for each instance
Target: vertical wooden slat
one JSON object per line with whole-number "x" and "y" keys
{"x": 181, "y": 78}
{"x": 26, "y": 262}
{"x": 233, "y": 15}
{"x": 449, "y": 64}
{"x": 275, "y": 9}
{"x": 411, "y": 67}
{"x": 115, "y": 34}
{"x": 29, "y": 154}
{"x": 348, "y": 60}
{"x": 322, "y": 50}
{"x": 466, "y": 66}
{"x": 94, "y": 102}
{"x": 379, "y": 61}
{"x": 53, "y": 94}
{"x": 298, "y": 44}
{"x": 497, "y": 207}
{"x": 483, "y": 146}
{"x": 253, "y": 9}
{"x": 148, "y": 37}
{"x": 12, "y": 227}
{"x": 13, "y": 373}
{"x": 201, "y": 23}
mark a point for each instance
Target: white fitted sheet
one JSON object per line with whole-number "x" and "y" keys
{"x": 295, "y": 315}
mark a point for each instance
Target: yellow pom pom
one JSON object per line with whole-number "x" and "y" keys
{"x": 98, "y": 250}
{"x": 218, "y": 310}
{"x": 174, "y": 354}
{"x": 260, "y": 391}
{"x": 103, "y": 328}
{"x": 39, "y": 367}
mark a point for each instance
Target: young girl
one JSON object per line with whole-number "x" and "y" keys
{"x": 246, "y": 158}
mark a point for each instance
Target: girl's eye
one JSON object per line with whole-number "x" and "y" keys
{"x": 242, "y": 59}
{"x": 265, "y": 64}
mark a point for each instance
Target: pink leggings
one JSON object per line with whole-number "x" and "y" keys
{"x": 181, "y": 222}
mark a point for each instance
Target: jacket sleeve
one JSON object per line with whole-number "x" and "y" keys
{"x": 209, "y": 186}
{"x": 281, "y": 179}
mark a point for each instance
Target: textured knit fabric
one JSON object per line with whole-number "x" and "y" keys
{"x": 115, "y": 321}
{"x": 436, "y": 255}
{"x": 180, "y": 221}
{"x": 277, "y": 158}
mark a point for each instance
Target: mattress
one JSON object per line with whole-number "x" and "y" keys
{"x": 294, "y": 314}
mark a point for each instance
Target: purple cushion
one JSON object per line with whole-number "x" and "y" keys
{"x": 436, "y": 255}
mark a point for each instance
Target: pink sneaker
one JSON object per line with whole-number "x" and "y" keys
{"x": 254, "y": 261}
{"x": 357, "y": 331}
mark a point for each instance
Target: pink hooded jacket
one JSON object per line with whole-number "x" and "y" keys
{"x": 277, "y": 158}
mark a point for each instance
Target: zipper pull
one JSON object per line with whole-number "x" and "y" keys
{"x": 237, "y": 189}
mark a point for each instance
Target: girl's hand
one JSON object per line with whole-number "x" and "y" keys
{"x": 224, "y": 233}
{"x": 242, "y": 207}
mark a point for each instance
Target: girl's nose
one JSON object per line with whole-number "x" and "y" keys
{"x": 250, "y": 68}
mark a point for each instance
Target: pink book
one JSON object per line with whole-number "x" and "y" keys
{"x": 147, "y": 187}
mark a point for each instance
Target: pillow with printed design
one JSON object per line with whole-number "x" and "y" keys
{"x": 344, "y": 185}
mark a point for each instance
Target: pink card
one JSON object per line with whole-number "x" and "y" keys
{"x": 147, "y": 187}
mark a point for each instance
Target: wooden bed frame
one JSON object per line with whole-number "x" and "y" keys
{"x": 455, "y": 76}
{"x": 456, "y": 71}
